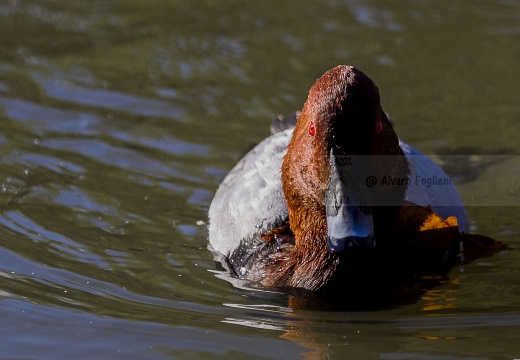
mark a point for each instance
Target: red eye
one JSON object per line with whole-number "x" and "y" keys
{"x": 312, "y": 129}
{"x": 379, "y": 127}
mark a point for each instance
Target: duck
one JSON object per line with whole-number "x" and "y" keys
{"x": 330, "y": 183}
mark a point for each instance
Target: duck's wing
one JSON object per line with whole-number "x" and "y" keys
{"x": 250, "y": 201}
{"x": 430, "y": 186}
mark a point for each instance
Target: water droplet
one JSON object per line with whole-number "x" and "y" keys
{"x": 242, "y": 271}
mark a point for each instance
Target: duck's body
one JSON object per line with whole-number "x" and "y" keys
{"x": 290, "y": 178}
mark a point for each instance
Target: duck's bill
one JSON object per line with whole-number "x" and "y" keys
{"x": 349, "y": 217}
{"x": 352, "y": 229}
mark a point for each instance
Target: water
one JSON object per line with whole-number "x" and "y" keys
{"x": 119, "y": 119}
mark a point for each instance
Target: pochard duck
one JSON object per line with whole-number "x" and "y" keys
{"x": 299, "y": 202}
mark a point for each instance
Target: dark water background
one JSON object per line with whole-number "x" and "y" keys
{"x": 118, "y": 119}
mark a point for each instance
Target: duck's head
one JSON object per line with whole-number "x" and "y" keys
{"x": 339, "y": 141}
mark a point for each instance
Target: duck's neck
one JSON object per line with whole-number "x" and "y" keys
{"x": 309, "y": 265}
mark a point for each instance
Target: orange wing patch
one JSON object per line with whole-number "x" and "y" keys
{"x": 414, "y": 218}
{"x": 434, "y": 221}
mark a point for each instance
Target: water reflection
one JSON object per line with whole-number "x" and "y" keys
{"x": 101, "y": 98}
{"x": 327, "y": 334}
